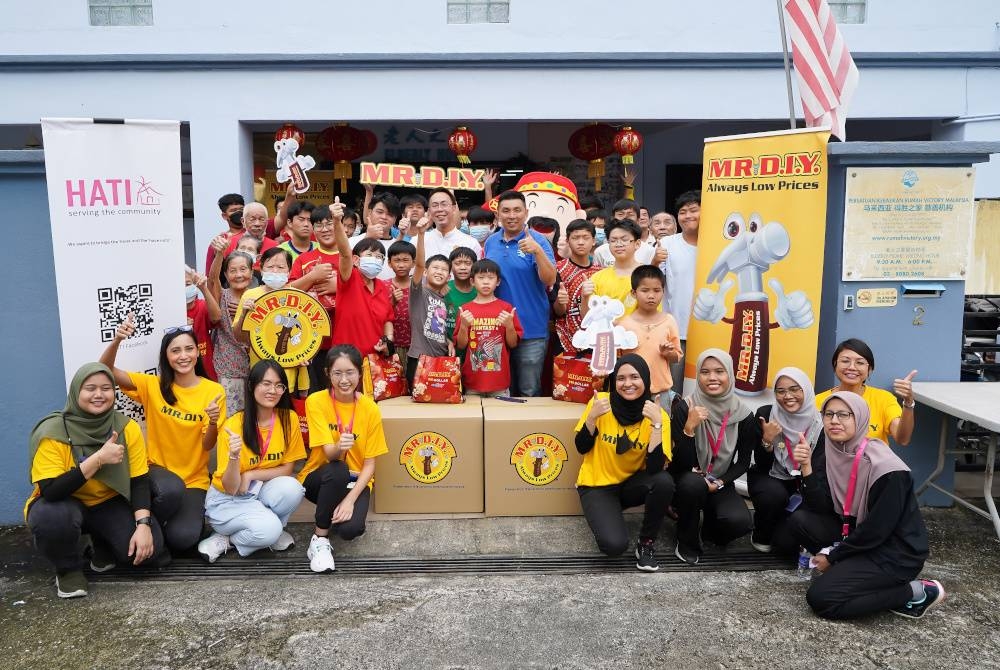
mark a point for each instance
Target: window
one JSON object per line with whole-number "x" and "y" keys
{"x": 478, "y": 11}
{"x": 848, "y": 11}
{"x": 121, "y": 12}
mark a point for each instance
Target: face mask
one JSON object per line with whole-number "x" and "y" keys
{"x": 464, "y": 227}
{"x": 479, "y": 232}
{"x": 191, "y": 292}
{"x": 236, "y": 219}
{"x": 274, "y": 280}
{"x": 370, "y": 267}
{"x": 600, "y": 237}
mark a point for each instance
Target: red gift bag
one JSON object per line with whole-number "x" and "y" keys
{"x": 384, "y": 377}
{"x": 299, "y": 405}
{"x": 573, "y": 380}
{"x": 438, "y": 379}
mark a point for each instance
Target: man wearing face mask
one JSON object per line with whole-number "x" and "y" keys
{"x": 481, "y": 224}
{"x": 254, "y": 223}
{"x": 229, "y": 205}
{"x": 445, "y": 236}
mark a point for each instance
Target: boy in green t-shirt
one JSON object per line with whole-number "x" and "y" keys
{"x": 460, "y": 288}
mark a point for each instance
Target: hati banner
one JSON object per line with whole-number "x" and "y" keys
{"x": 759, "y": 269}
{"x": 117, "y": 236}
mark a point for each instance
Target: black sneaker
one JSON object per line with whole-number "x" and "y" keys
{"x": 689, "y": 556}
{"x": 645, "y": 559}
{"x": 71, "y": 584}
{"x": 933, "y": 594}
{"x": 101, "y": 558}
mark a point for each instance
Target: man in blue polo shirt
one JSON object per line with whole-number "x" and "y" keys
{"x": 527, "y": 268}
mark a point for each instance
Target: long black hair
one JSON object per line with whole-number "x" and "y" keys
{"x": 348, "y": 351}
{"x": 167, "y": 372}
{"x": 283, "y": 409}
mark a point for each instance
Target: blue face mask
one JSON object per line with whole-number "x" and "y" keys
{"x": 600, "y": 237}
{"x": 274, "y": 280}
{"x": 479, "y": 231}
{"x": 190, "y": 292}
{"x": 369, "y": 266}
{"x": 464, "y": 227}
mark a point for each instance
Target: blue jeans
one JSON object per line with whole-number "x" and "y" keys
{"x": 526, "y": 360}
{"x": 254, "y": 522}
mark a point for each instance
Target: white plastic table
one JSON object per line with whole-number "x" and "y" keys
{"x": 978, "y": 402}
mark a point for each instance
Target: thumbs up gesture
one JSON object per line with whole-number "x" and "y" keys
{"x": 111, "y": 453}
{"x": 214, "y": 410}
{"x": 770, "y": 429}
{"x": 235, "y": 444}
{"x": 904, "y": 387}
{"x": 599, "y": 407}
{"x": 794, "y": 310}
{"x": 651, "y": 409}
{"x": 696, "y": 415}
{"x": 506, "y": 318}
{"x": 337, "y": 209}
{"x": 802, "y": 454}
{"x": 710, "y": 305}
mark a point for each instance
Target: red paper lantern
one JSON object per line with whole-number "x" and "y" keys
{"x": 593, "y": 143}
{"x": 463, "y": 142}
{"x": 627, "y": 143}
{"x": 290, "y": 130}
{"x": 342, "y": 144}
{"x": 371, "y": 142}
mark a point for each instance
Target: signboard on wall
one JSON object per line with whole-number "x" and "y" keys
{"x": 117, "y": 236}
{"x": 320, "y": 189}
{"x": 908, "y": 223}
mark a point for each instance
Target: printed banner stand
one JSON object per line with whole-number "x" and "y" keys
{"x": 117, "y": 236}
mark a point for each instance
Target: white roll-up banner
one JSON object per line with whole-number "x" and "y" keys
{"x": 117, "y": 237}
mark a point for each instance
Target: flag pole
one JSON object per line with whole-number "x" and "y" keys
{"x": 788, "y": 70}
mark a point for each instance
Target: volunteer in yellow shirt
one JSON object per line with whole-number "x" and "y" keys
{"x": 853, "y": 362}
{"x": 345, "y": 436}
{"x": 88, "y": 467}
{"x": 253, "y": 491}
{"x": 183, "y": 413}
{"x": 621, "y": 438}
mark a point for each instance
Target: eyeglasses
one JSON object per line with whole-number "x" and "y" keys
{"x": 791, "y": 390}
{"x": 323, "y": 225}
{"x": 841, "y": 417}
{"x": 620, "y": 241}
{"x": 859, "y": 363}
{"x": 343, "y": 374}
{"x": 186, "y": 328}
{"x": 275, "y": 386}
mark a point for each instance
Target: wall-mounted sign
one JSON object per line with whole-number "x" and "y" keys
{"x": 877, "y": 297}
{"x": 427, "y": 176}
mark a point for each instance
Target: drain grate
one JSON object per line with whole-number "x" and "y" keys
{"x": 185, "y": 569}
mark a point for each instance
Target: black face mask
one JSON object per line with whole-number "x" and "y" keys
{"x": 236, "y": 219}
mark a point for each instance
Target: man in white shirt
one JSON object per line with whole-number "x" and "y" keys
{"x": 679, "y": 270}
{"x": 443, "y": 209}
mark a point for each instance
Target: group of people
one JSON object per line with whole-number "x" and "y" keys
{"x": 818, "y": 479}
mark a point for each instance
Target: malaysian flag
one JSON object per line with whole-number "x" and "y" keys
{"x": 826, "y": 72}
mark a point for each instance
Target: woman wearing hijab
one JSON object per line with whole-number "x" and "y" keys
{"x": 774, "y": 478}
{"x": 621, "y": 438}
{"x": 88, "y": 467}
{"x": 714, "y": 436}
{"x": 861, "y": 520}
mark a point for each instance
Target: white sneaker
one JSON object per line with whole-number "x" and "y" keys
{"x": 320, "y": 555}
{"x": 285, "y": 541}
{"x": 213, "y": 546}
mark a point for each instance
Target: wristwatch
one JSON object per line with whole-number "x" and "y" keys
{"x": 911, "y": 405}
{"x": 657, "y": 426}
{"x": 144, "y": 521}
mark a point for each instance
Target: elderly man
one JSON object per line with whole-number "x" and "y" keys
{"x": 254, "y": 225}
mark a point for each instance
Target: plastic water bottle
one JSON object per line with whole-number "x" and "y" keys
{"x": 803, "y": 571}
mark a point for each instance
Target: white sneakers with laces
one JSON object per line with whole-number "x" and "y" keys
{"x": 320, "y": 555}
{"x": 213, "y": 546}
{"x": 284, "y": 542}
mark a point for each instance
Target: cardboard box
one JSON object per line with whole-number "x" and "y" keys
{"x": 435, "y": 459}
{"x": 531, "y": 459}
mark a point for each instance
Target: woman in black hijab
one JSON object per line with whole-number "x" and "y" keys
{"x": 621, "y": 438}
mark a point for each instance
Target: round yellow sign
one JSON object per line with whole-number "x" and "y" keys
{"x": 538, "y": 458}
{"x": 287, "y": 326}
{"x": 427, "y": 457}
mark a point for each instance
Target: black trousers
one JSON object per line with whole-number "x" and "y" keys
{"x": 854, "y": 587}
{"x": 770, "y": 497}
{"x": 726, "y": 516}
{"x": 57, "y": 526}
{"x": 603, "y": 505}
{"x": 181, "y": 510}
{"x": 326, "y": 487}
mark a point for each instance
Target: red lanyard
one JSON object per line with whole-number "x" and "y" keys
{"x": 340, "y": 424}
{"x": 265, "y": 444}
{"x": 716, "y": 442}
{"x": 791, "y": 455}
{"x": 852, "y": 485}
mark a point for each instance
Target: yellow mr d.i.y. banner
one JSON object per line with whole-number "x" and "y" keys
{"x": 759, "y": 268}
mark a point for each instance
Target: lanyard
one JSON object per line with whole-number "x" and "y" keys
{"x": 852, "y": 485}
{"x": 791, "y": 455}
{"x": 716, "y": 442}
{"x": 265, "y": 444}
{"x": 340, "y": 424}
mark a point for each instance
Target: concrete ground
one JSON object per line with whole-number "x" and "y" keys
{"x": 675, "y": 620}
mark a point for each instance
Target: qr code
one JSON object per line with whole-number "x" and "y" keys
{"x": 129, "y": 407}
{"x": 115, "y": 303}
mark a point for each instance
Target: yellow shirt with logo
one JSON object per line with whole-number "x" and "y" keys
{"x": 882, "y": 404}
{"x": 602, "y": 465}
{"x": 369, "y": 438}
{"x": 175, "y": 431}
{"x": 298, "y": 375}
{"x": 279, "y": 451}
{"x": 56, "y": 458}
{"x": 609, "y": 283}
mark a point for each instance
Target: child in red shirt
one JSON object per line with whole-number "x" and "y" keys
{"x": 401, "y": 259}
{"x": 202, "y": 316}
{"x": 487, "y": 328}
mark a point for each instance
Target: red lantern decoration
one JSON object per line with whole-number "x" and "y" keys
{"x": 463, "y": 142}
{"x": 290, "y": 130}
{"x": 371, "y": 142}
{"x": 342, "y": 144}
{"x": 627, "y": 143}
{"x": 593, "y": 143}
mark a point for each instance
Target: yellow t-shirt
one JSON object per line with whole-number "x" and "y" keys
{"x": 602, "y": 466}
{"x": 298, "y": 375}
{"x": 883, "y": 406}
{"x": 55, "y": 458}
{"x": 175, "y": 431}
{"x": 369, "y": 438}
{"x": 278, "y": 451}
{"x": 609, "y": 283}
